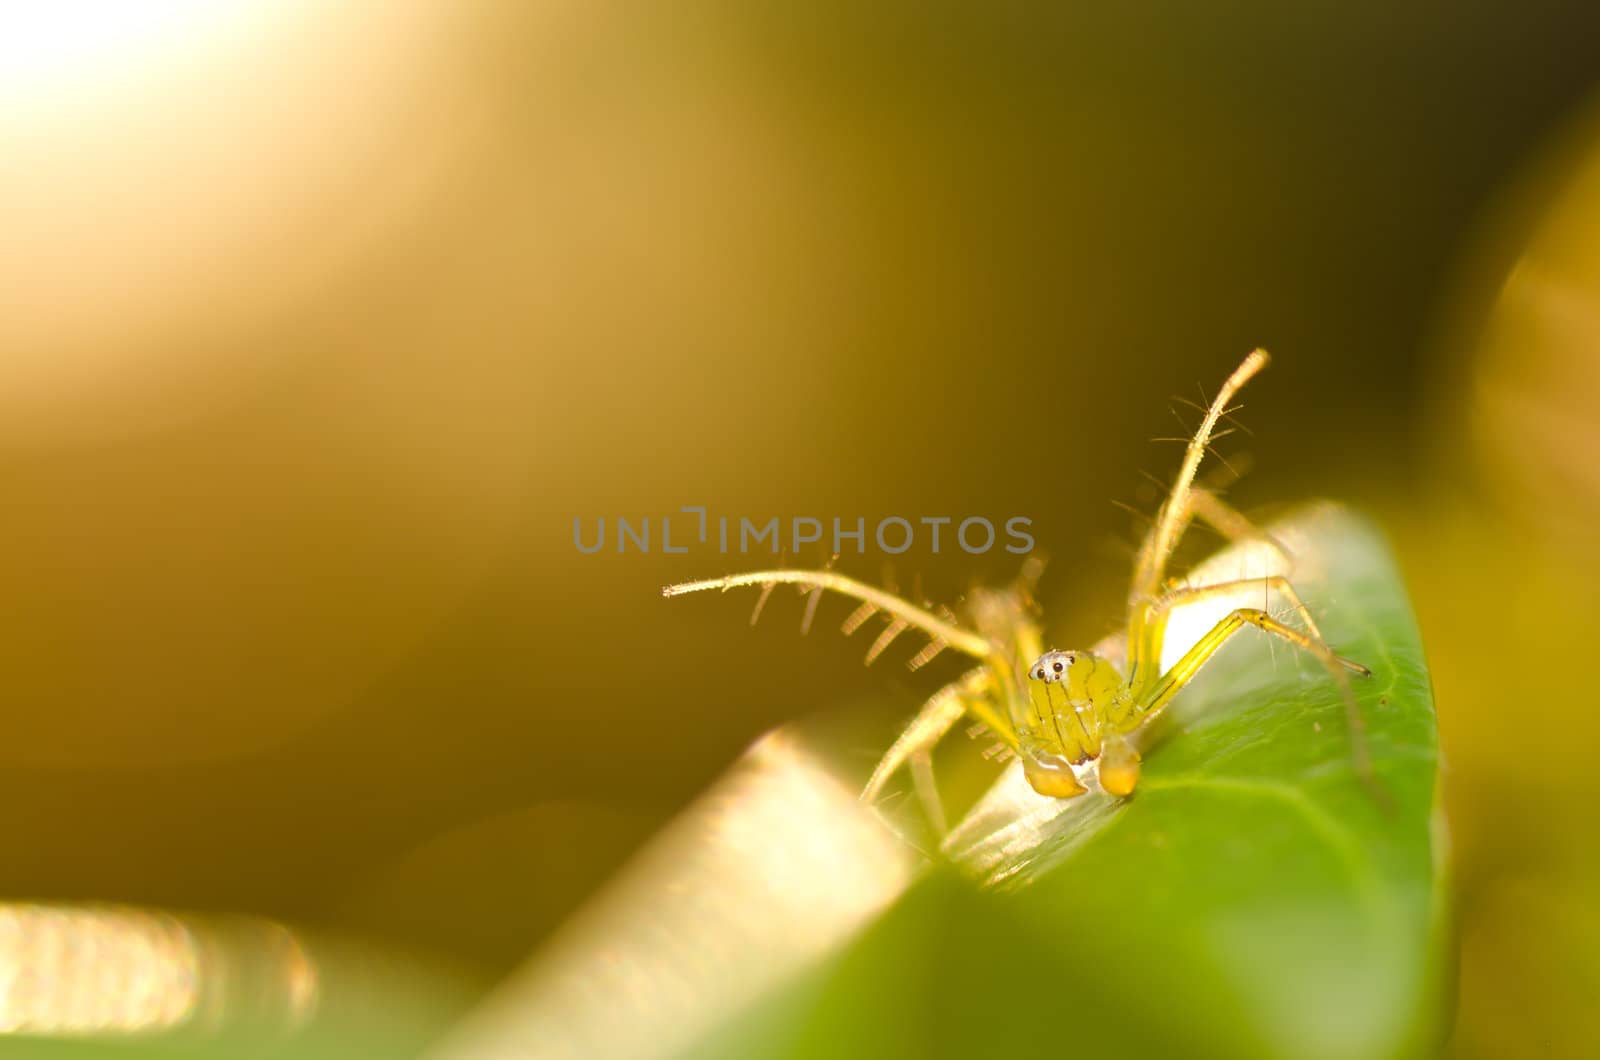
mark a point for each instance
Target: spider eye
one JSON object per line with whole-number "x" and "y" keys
{"x": 1058, "y": 666}
{"x": 1041, "y": 673}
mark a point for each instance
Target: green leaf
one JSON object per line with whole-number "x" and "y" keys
{"x": 1252, "y": 899}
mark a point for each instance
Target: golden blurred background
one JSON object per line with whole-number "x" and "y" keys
{"x": 320, "y": 324}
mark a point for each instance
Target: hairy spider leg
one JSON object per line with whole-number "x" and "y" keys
{"x": 1173, "y": 517}
{"x": 914, "y": 746}
{"x": 1159, "y": 611}
{"x": 973, "y": 693}
{"x": 1172, "y": 520}
{"x": 931, "y": 624}
{"x": 1144, "y": 653}
{"x": 1231, "y": 523}
{"x": 1160, "y": 694}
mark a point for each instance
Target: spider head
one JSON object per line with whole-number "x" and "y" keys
{"x": 1052, "y": 666}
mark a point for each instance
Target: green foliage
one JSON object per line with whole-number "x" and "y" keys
{"x": 1253, "y": 899}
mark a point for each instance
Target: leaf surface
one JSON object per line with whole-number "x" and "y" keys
{"x": 1252, "y": 899}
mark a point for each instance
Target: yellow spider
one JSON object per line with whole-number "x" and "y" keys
{"x": 1059, "y": 711}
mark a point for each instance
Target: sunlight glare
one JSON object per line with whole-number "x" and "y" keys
{"x": 53, "y": 47}
{"x": 771, "y": 870}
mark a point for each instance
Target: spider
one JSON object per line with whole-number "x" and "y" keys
{"x": 1071, "y": 716}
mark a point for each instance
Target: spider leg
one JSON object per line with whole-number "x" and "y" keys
{"x": 1274, "y": 583}
{"x": 1173, "y": 518}
{"x": 1209, "y": 507}
{"x": 821, "y": 580}
{"x": 1145, "y": 635}
{"x": 984, "y": 692}
{"x": 1231, "y": 523}
{"x": 1169, "y": 684}
{"x": 927, "y": 788}
{"x": 968, "y": 694}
